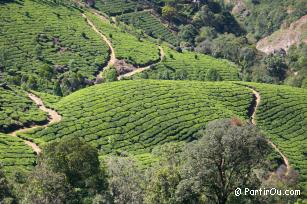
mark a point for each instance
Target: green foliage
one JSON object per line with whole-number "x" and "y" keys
{"x": 150, "y": 24}
{"x": 43, "y": 186}
{"x": 213, "y": 75}
{"x": 116, "y": 7}
{"x": 162, "y": 185}
{"x": 110, "y": 74}
{"x": 127, "y": 46}
{"x": 282, "y": 115}
{"x": 126, "y": 180}
{"x": 168, "y": 12}
{"x": 224, "y": 159}
{"x": 48, "y": 99}
{"x": 267, "y": 16}
{"x": 35, "y": 51}
{"x": 15, "y": 155}
{"x": 77, "y": 160}
{"x": 135, "y": 116}
{"x": 5, "y": 191}
{"x": 17, "y": 110}
{"x": 185, "y": 66}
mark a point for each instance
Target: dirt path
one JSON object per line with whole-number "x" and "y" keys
{"x": 112, "y": 56}
{"x": 53, "y": 117}
{"x": 141, "y": 69}
{"x": 254, "y": 122}
{"x": 113, "y": 59}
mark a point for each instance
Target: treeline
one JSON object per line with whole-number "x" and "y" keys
{"x": 209, "y": 27}
{"x": 228, "y": 155}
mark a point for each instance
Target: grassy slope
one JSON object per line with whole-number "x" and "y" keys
{"x": 17, "y": 110}
{"x": 35, "y": 34}
{"x": 283, "y": 116}
{"x": 15, "y": 155}
{"x": 135, "y": 116}
{"x": 136, "y": 51}
{"x": 190, "y": 65}
{"x": 150, "y": 24}
{"x": 115, "y": 7}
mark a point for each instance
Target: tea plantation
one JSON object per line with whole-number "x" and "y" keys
{"x": 150, "y": 24}
{"x": 133, "y": 50}
{"x": 17, "y": 110}
{"x": 116, "y": 7}
{"x": 135, "y": 116}
{"x": 42, "y": 44}
{"x": 15, "y": 155}
{"x": 190, "y": 66}
{"x": 283, "y": 116}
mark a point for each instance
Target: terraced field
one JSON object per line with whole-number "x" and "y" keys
{"x": 15, "y": 155}
{"x": 17, "y": 110}
{"x": 282, "y": 114}
{"x": 40, "y": 43}
{"x": 190, "y": 66}
{"x": 139, "y": 52}
{"x": 116, "y": 7}
{"x": 150, "y": 24}
{"x": 135, "y": 116}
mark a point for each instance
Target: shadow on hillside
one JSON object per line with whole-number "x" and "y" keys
{"x": 10, "y": 1}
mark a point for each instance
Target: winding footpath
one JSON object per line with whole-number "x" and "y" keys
{"x": 113, "y": 58}
{"x": 254, "y": 122}
{"x": 112, "y": 55}
{"x": 53, "y": 117}
{"x": 141, "y": 69}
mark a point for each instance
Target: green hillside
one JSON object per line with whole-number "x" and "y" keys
{"x": 116, "y": 7}
{"x": 283, "y": 116}
{"x": 135, "y": 116}
{"x": 15, "y": 155}
{"x": 132, "y": 49}
{"x": 17, "y": 110}
{"x": 150, "y": 24}
{"x": 190, "y": 66}
{"x": 42, "y": 44}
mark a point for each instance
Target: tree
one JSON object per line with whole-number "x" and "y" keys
{"x": 224, "y": 159}
{"x": 168, "y": 12}
{"x": 162, "y": 185}
{"x": 110, "y": 74}
{"x": 5, "y": 191}
{"x": 57, "y": 89}
{"x": 78, "y": 161}
{"x": 126, "y": 181}
{"x": 45, "y": 186}
{"x": 187, "y": 33}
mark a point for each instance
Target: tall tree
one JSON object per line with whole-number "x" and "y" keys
{"x": 224, "y": 159}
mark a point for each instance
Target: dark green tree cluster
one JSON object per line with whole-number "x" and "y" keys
{"x": 68, "y": 171}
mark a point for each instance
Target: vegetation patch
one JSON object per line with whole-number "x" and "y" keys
{"x": 15, "y": 154}
{"x": 282, "y": 114}
{"x": 150, "y": 24}
{"x": 18, "y": 110}
{"x": 132, "y": 49}
{"x": 116, "y": 7}
{"x": 192, "y": 66}
{"x": 46, "y": 47}
{"x": 135, "y": 116}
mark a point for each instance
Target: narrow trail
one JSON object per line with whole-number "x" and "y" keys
{"x": 53, "y": 117}
{"x": 113, "y": 58}
{"x": 141, "y": 69}
{"x": 254, "y": 122}
{"x": 112, "y": 55}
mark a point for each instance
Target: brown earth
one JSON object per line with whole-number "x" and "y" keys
{"x": 295, "y": 34}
